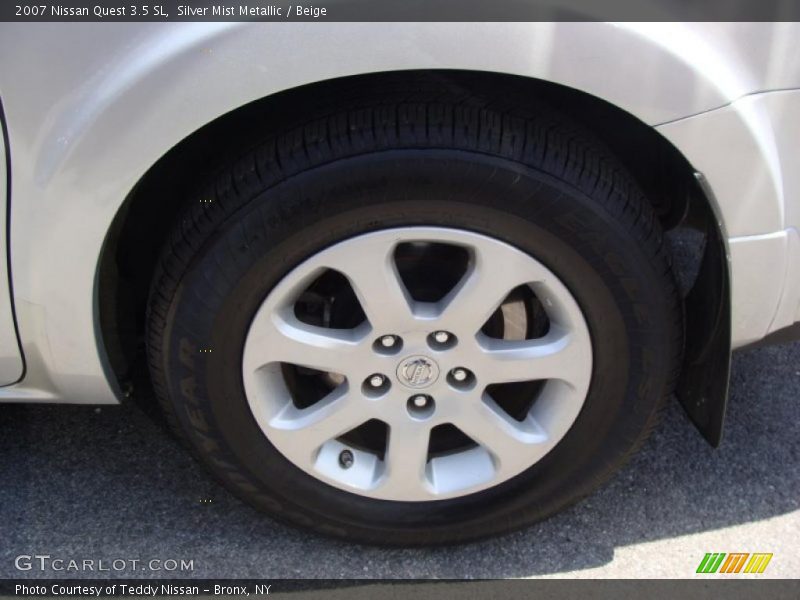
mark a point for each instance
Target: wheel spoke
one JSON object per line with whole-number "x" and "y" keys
{"x": 406, "y": 458}
{"x": 495, "y": 271}
{"x": 558, "y": 355}
{"x": 285, "y": 339}
{"x": 373, "y": 274}
{"x": 302, "y": 432}
{"x": 510, "y": 442}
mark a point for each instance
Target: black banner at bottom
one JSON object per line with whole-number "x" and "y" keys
{"x": 712, "y": 587}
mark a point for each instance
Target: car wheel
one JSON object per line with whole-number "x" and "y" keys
{"x": 416, "y": 323}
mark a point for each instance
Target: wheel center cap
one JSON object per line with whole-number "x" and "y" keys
{"x": 417, "y": 371}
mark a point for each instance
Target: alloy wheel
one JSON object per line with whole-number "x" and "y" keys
{"x": 417, "y": 363}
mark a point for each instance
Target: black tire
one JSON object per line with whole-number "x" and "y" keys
{"x": 527, "y": 177}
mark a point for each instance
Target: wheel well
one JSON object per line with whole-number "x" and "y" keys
{"x": 142, "y": 225}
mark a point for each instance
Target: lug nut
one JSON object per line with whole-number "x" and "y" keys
{"x": 460, "y": 374}
{"x": 387, "y": 344}
{"x": 461, "y": 378}
{"x": 441, "y": 337}
{"x": 346, "y": 459}
{"x": 421, "y": 406}
{"x": 375, "y": 385}
{"x": 441, "y": 340}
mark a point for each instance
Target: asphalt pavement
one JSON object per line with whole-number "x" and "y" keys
{"x": 107, "y": 484}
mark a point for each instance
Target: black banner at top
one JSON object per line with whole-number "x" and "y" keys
{"x": 401, "y": 10}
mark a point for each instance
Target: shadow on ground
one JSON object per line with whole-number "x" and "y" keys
{"x": 78, "y": 482}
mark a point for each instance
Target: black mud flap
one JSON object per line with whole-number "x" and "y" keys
{"x": 703, "y": 385}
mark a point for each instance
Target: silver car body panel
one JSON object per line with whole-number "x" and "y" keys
{"x": 91, "y": 107}
{"x": 749, "y": 153}
{"x": 11, "y": 365}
